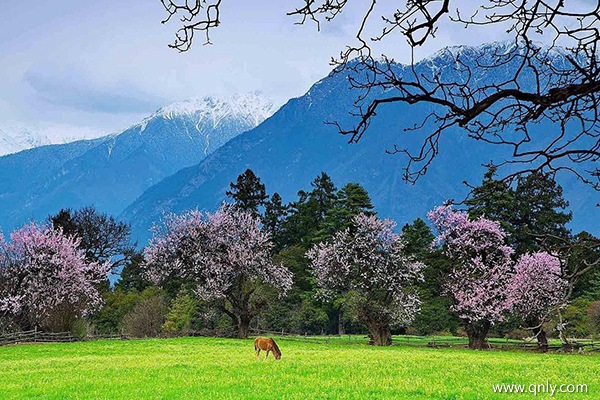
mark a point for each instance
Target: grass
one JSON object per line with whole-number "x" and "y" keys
{"x": 212, "y": 368}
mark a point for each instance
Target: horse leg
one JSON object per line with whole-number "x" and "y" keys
{"x": 267, "y": 356}
{"x": 258, "y": 354}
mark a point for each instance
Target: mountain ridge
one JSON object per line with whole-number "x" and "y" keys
{"x": 112, "y": 171}
{"x": 293, "y": 146}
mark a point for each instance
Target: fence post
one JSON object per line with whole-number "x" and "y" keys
{"x": 35, "y": 334}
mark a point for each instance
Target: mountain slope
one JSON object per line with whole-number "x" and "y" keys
{"x": 113, "y": 171}
{"x": 13, "y": 140}
{"x": 288, "y": 150}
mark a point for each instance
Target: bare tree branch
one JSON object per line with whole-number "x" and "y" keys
{"x": 555, "y": 86}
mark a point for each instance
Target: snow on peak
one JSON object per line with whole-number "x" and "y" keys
{"x": 15, "y": 139}
{"x": 495, "y": 49}
{"x": 250, "y": 106}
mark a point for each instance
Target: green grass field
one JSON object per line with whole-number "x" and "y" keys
{"x": 213, "y": 368}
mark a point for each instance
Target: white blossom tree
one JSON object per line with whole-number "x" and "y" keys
{"x": 366, "y": 265}
{"x": 45, "y": 280}
{"x": 226, "y": 255}
{"x": 537, "y": 289}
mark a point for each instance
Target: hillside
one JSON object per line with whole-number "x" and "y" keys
{"x": 289, "y": 149}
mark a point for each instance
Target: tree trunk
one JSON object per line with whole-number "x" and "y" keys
{"x": 542, "y": 339}
{"x": 243, "y": 327}
{"x": 341, "y": 330}
{"x": 380, "y": 334}
{"x": 477, "y": 332}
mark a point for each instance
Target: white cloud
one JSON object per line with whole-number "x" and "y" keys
{"x": 102, "y": 66}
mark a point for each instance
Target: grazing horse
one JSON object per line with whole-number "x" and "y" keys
{"x": 267, "y": 344}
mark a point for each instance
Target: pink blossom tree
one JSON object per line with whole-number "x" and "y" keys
{"x": 536, "y": 290}
{"x": 479, "y": 281}
{"x": 366, "y": 265}
{"x": 45, "y": 280}
{"x": 226, "y": 255}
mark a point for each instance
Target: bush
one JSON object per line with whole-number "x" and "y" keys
{"x": 181, "y": 315}
{"x": 594, "y": 317}
{"x": 577, "y": 318}
{"x": 147, "y": 317}
{"x": 434, "y": 317}
{"x": 117, "y": 304}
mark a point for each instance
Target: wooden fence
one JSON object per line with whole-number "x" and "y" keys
{"x": 434, "y": 341}
{"x": 403, "y": 340}
{"x": 46, "y": 337}
{"x": 36, "y": 337}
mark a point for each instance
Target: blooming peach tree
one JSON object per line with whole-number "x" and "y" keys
{"x": 366, "y": 265}
{"x": 536, "y": 290}
{"x": 227, "y": 255}
{"x": 479, "y": 283}
{"x": 45, "y": 280}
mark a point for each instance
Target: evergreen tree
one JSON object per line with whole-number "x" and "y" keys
{"x": 132, "y": 275}
{"x": 435, "y": 316}
{"x": 350, "y": 201}
{"x": 274, "y": 218}
{"x": 532, "y": 211}
{"x": 323, "y": 195}
{"x": 539, "y": 212}
{"x": 248, "y": 192}
{"x": 493, "y": 199}
{"x": 181, "y": 314}
{"x": 418, "y": 238}
{"x": 308, "y": 212}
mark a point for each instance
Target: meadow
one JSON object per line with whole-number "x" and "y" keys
{"x": 213, "y": 368}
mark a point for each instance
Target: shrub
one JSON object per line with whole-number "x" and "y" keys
{"x": 594, "y": 317}
{"x": 181, "y": 315}
{"x": 147, "y": 317}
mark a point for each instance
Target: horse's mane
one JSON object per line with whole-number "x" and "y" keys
{"x": 275, "y": 347}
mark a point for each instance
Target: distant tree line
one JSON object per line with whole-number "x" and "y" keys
{"x": 325, "y": 263}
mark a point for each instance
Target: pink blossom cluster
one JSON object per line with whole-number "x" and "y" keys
{"x": 537, "y": 287}
{"x": 479, "y": 281}
{"x": 216, "y": 251}
{"x": 41, "y": 270}
{"x": 485, "y": 283}
{"x": 369, "y": 259}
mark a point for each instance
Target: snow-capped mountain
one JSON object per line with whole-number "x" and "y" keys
{"x": 250, "y": 106}
{"x": 112, "y": 171}
{"x": 15, "y": 139}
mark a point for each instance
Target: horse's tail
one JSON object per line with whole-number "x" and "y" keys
{"x": 256, "y": 344}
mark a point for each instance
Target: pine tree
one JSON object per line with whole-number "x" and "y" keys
{"x": 274, "y": 218}
{"x": 539, "y": 212}
{"x": 351, "y": 200}
{"x": 532, "y": 211}
{"x": 418, "y": 237}
{"x": 435, "y": 315}
{"x": 132, "y": 275}
{"x": 248, "y": 192}
{"x": 323, "y": 195}
{"x": 309, "y": 211}
{"x": 493, "y": 199}
{"x": 181, "y": 315}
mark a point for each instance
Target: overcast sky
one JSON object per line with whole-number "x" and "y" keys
{"x": 95, "y": 67}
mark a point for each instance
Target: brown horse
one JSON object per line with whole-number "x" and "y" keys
{"x": 267, "y": 344}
